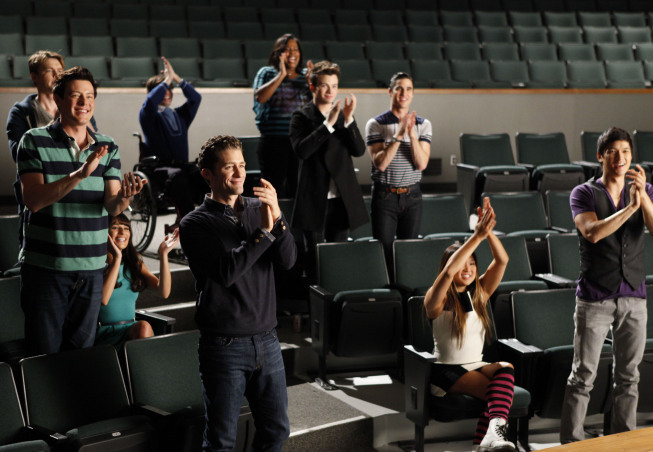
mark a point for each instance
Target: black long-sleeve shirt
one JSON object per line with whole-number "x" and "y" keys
{"x": 233, "y": 266}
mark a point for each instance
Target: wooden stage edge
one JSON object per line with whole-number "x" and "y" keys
{"x": 635, "y": 441}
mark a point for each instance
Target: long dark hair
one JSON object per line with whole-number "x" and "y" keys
{"x": 458, "y": 315}
{"x": 131, "y": 259}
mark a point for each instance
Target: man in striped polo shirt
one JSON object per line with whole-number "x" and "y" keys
{"x": 399, "y": 143}
{"x": 71, "y": 182}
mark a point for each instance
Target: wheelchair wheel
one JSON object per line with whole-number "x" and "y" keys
{"x": 142, "y": 212}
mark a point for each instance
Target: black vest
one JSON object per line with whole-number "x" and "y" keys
{"x": 617, "y": 256}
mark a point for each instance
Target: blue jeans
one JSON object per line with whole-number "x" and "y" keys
{"x": 397, "y": 215}
{"x": 233, "y": 367}
{"x": 627, "y": 318}
{"x": 61, "y": 308}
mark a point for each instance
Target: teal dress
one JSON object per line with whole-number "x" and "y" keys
{"x": 117, "y": 317}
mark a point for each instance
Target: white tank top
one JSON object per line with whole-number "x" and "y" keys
{"x": 447, "y": 348}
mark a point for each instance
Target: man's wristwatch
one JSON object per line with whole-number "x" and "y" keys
{"x": 395, "y": 139}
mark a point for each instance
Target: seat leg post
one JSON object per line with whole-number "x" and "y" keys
{"x": 321, "y": 376}
{"x": 419, "y": 438}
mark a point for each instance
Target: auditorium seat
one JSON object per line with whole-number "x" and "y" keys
{"x": 424, "y": 18}
{"x": 595, "y": 35}
{"x": 644, "y": 51}
{"x": 81, "y": 395}
{"x": 130, "y": 71}
{"x": 425, "y": 33}
{"x": 21, "y": 69}
{"x": 12, "y": 44}
{"x": 313, "y": 16}
{"x": 393, "y": 18}
{"x": 615, "y": 52}
{"x": 168, "y": 28}
{"x": 573, "y": 51}
{"x": 38, "y": 25}
{"x": 450, "y": 18}
{"x": 131, "y": 10}
{"x": 12, "y": 423}
{"x": 476, "y": 72}
{"x": 544, "y": 320}
{"x": 586, "y": 74}
{"x": 313, "y": 50}
{"x": 97, "y": 64}
{"x": 122, "y": 28}
{"x": 253, "y": 65}
{"x": 11, "y": 25}
{"x": 461, "y": 51}
{"x": 12, "y": 321}
{"x": 389, "y": 33}
{"x": 547, "y": 74}
{"x": 422, "y": 406}
{"x": 356, "y": 74}
{"x": 337, "y": 51}
{"x": 629, "y": 19}
{"x": 416, "y": 265}
{"x": 167, "y": 12}
{"x": 531, "y": 34}
{"x": 547, "y": 158}
{"x": 487, "y": 165}
{"x": 89, "y": 26}
{"x": 501, "y": 51}
{"x": 558, "y": 211}
{"x": 384, "y": 50}
{"x": 52, "y": 9}
{"x": 513, "y": 72}
{"x": 318, "y": 32}
{"x": 565, "y": 34}
{"x": 560, "y": 18}
{"x": 383, "y": 69}
{"x": 525, "y": 18}
{"x": 244, "y": 30}
{"x": 245, "y": 14}
{"x": 625, "y": 75}
{"x": 203, "y": 13}
{"x": 536, "y": 51}
{"x": 491, "y": 18}
{"x": 459, "y": 34}
{"x": 634, "y": 35}
{"x": 444, "y": 215}
{"x": 272, "y": 31}
{"x": 359, "y": 32}
{"x": 222, "y": 48}
{"x": 206, "y": 29}
{"x": 257, "y": 48}
{"x": 436, "y": 73}
{"x": 57, "y": 43}
{"x": 350, "y": 17}
{"x": 180, "y": 47}
{"x": 495, "y": 34}
{"x": 594, "y": 19}
{"x": 189, "y": 67}
{"x": 423, "y": 51}
{"x": 353, "y": 312}
{"x": 137, "y": 47}
{"x": 564, "y": 260}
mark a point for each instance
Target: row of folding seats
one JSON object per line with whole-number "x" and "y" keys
{"x": 80, "y": 7}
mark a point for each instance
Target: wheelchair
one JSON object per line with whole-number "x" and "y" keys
{"x": 150, "y": 202}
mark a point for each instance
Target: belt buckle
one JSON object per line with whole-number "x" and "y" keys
{"x": 401, "y": 190}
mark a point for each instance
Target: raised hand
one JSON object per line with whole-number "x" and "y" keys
{"x": 169, "y": 72}
{"x": 169, "y": 242}
{"x": 283, "y": 71}
{"x": 332, "y": 116}
{"x": 93, "y": 160}
{"x": 131, "y": 185}
{"x": 350, "y": 106}
{"x": 115, "y": 251}
{"x": 486, "y": 219}
{"x": 270, "y": 210}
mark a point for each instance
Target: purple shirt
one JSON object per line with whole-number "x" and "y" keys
{"x": 581, "y": 201}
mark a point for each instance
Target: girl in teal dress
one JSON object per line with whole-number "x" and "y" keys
{"x": 124, "y": 277}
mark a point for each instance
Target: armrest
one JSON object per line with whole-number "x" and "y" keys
{"x": 555, "y": 281}
{"x": 523, "y": 357}
{"x": 51, "y": 437}
{"x": 161, "y": 324}
{"x": 417, "y": 384}
{"x": 530, "y": 167}
{"x": 467, "y": 167}
{"x": 150, "y": 411}
{"x": 320, "y": 301}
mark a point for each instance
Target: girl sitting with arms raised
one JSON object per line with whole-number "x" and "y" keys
{"x": 457, "y": 303}
{"x": 125, "y": 276}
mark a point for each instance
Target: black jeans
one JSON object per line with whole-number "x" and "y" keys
{"x": 395, "y": 215}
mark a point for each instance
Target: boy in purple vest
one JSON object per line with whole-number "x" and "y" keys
{"x": 610, "y": 213}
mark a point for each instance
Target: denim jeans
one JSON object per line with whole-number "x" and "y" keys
{"x": 627, "y": 319}
{"x": 397, "y": 215}
{"x": 61, "y": 308}
{"x": 233, "y": 367}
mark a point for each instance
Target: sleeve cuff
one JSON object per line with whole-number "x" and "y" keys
{"x": 329, "y": 126}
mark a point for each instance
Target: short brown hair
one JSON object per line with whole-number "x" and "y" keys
{"x": 36, "y": 60}
{"x": 210, "y": 151}
{"x": 75, "y": 73}
{"x": 399, "y": 76}
{"x": 323, "y": 68}
{"x": 153, "y": 82}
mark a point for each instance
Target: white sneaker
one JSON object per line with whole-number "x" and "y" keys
{"x": 496, "y": 438}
